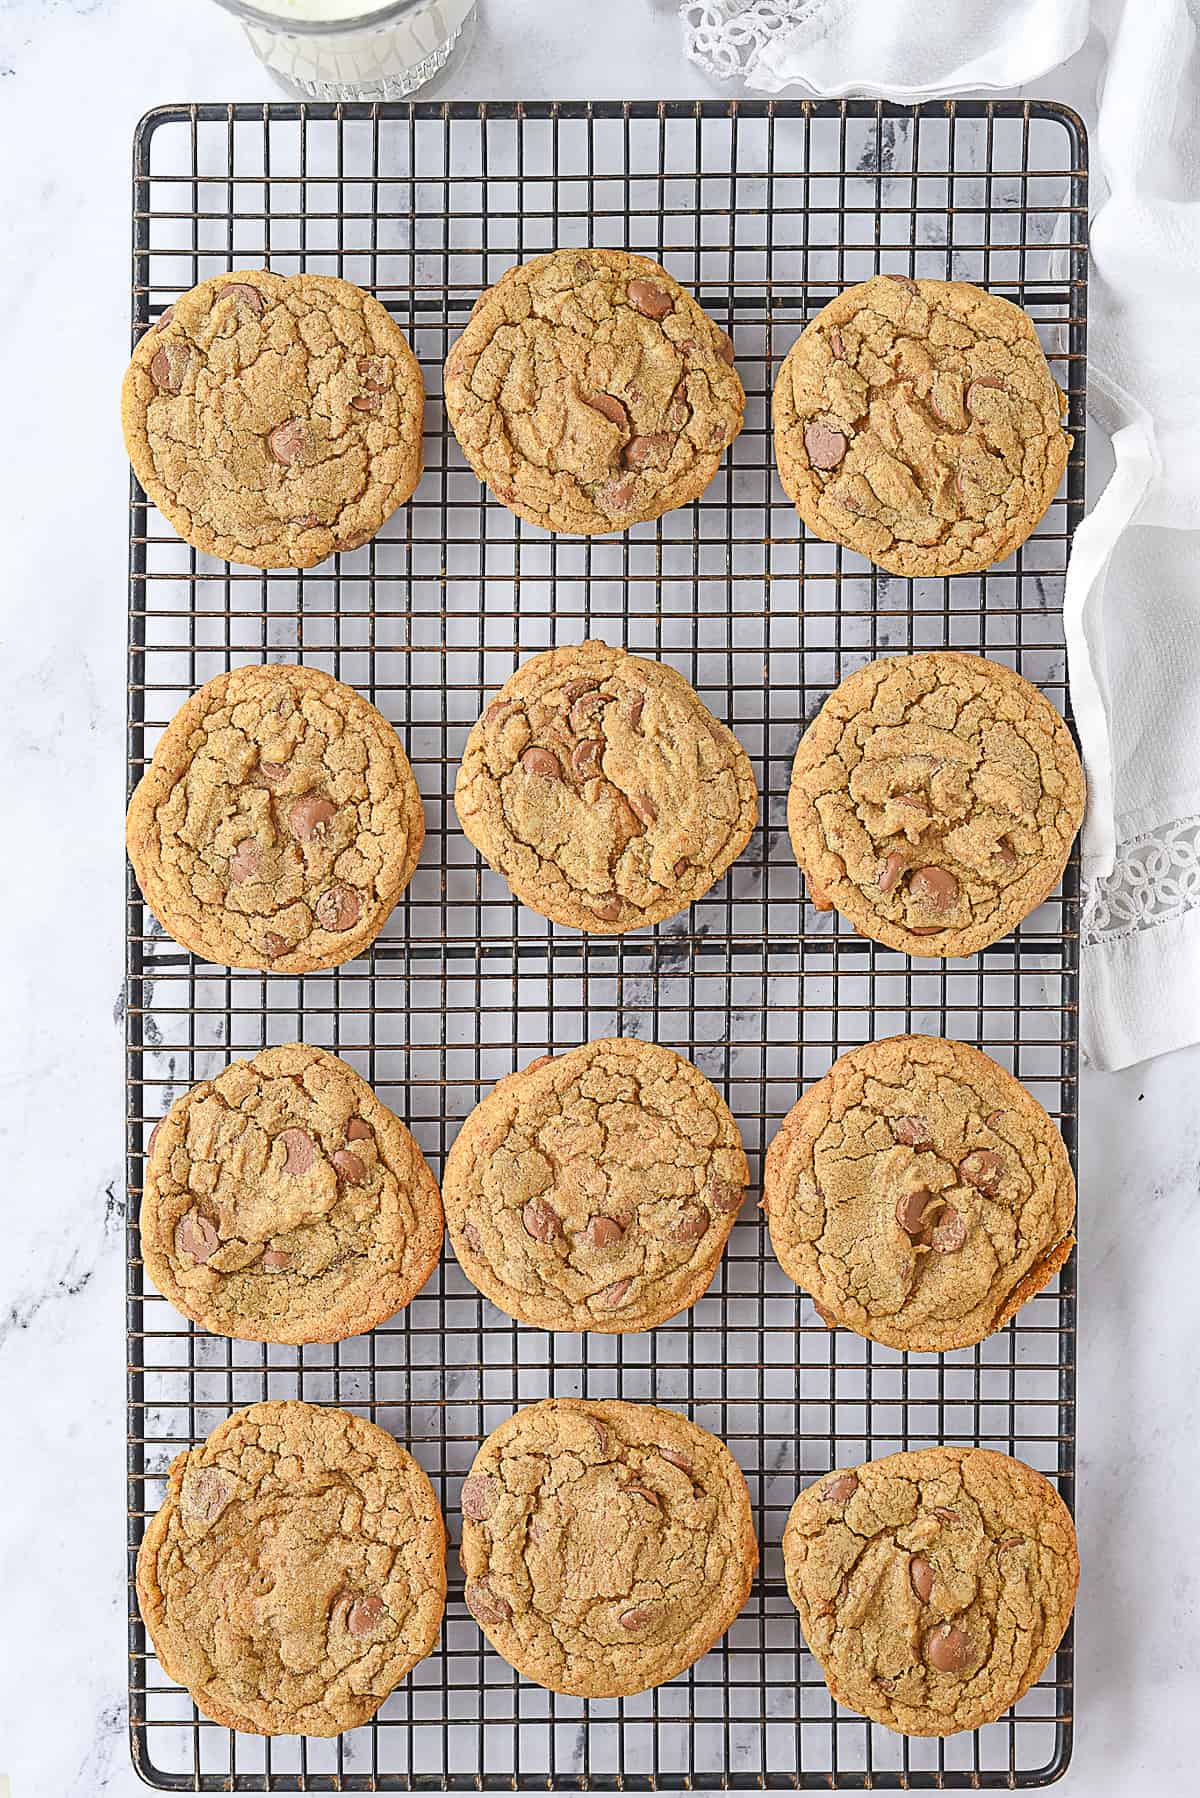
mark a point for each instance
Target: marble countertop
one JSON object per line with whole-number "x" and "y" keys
{"x": 74, "y": 77}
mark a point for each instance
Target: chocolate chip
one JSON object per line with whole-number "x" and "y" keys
{"x": 680, "y": 866}
{"x": 602, "y": 1232}
{"x": 586, "y": 758}
{"x": 912, "y": 1210}
{"x": 169, "y": 366}
{"x": 983, "y": 1169}
{"x": 358, "y": 1130}
{"x": 374, "y": 373}
{"x": 478, "y": 1497}
{"x": 637, "y": 706}
{"x": 601, "y": 1435}
{"x": 364, "y": 1615}
{"x": 937, "y": 887}
{"x": 651, "y": 1498}
{"x": 164, "y": 319}
{"x": 725, "y": 348}
{"x": 542, "y": 762}
{"x": 338, "y": 908}
{"x": 242, "y": 290}
{"x": 205, "y": 1493}
{"x": 276, "y": 1260}
{"x": 648, "y": 299}
{"x": 196, "y": 1236}
{"x": 837, "y": 346}
{"x": 543, "y": 1224}
{"x": 1005, "y": 852}
{"x": 949, "y": 1649}
{"x": 350, "y": 1166}
{"x": 978, "y": 387}
{"x": 244, "y": 862}
{"x": 154, "y": 1137}
{"x": 946, "y": 1514}
{"x": 612, "y": 1296}
{"x": 472, "y": 1238}
{"x": 484, "y": 1603}
{"x": 274, "y": 773}
{"x": 949, "y": 1232}
{"x": 676, "y": 1460}
{"x": 824, "y": 446}
{"x": 616, "y": 495}
{"x": 644, "y": 806}
{"x": 905, "y": 281}
{"x": 499, "y": 711}
{"x": 609, "y": 407}
{"x": 307, "y": 817}
{"x": 288, "y": 441}
{"x": 638, "y": 1617}
{"x": 890, "y": 872}
{"x": 366, "y": 402}
{"x": 692, "y": 1224}
{"x": 609, "y": 908}
{"x": 273, "y": 944}
{"x": 723, "y": 1196}
{"x": 920, "y": 1575}
{"x": 912, "y": 1131}
{"x": 300, "y": 1151}
{"x": 841, "y": 1487}
{"x": 651, "y": 450}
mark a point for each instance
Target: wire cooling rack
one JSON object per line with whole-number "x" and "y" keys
{"x": 765, "y": 210}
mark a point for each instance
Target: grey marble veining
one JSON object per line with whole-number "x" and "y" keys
{"x": 74, "y": 75}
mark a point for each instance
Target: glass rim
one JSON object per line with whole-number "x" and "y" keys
{"x": 383, "y": 13}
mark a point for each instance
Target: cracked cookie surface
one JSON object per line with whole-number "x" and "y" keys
{"x": 285, "y": 1203}
{"x": 296, "y": 1571}
{"x": 274, "y": 419}
{"x": 934, "y": 800}
{"x": 278, "y": 822}
{"x": 917, "y": 422}
{"x": 595, "y": 1190}
{"x": 606, "y": 1545}
{"x": 591, "y": 392}
{"x": 603, "y": 790}
{"x": 919, "y": 1194}
{"x": 933, "y": 1586}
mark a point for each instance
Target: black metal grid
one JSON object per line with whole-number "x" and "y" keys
{"x": 765, "y": 210}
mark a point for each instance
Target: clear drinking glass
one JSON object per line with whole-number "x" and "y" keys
{"x": 353, "y": 49}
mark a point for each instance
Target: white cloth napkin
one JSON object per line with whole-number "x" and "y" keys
{"x": 1132, "y": 605}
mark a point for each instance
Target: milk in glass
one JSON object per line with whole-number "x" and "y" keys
{"x": 372, "y": 50}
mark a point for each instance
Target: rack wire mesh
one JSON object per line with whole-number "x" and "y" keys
{"x": 765, "y": 210}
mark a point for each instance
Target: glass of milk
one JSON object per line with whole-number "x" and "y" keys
{"x": 353, "y": 49}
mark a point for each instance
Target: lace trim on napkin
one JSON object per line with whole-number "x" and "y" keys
{"x": 725, "y": 36}
{"x": 1156, "y": 878}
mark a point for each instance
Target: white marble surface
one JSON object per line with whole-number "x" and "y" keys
{"x": 74, "y": 76}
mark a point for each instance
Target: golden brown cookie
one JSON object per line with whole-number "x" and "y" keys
{"x": 274, "y": 419}
{"x": 591, "y": 392}
{"x": 917, "y": 422}
{"x": 919, "y": 1194}
{"x": 606, "y": 1546}
{"x": 934, "y": 801}
{"x": 278, "y": 822}
{"x": 603, "y": 790}
{"x": 595, "y": 1190}
{"x": 284, "y": 1203}
{"x": 296, "y": 1571}
{"x": 933, "y": 1586}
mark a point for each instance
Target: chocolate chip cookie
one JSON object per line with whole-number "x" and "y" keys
{"x": 933, "y": 1586}
{"x": 606, "y": 1546}
{"x": 591, "y": 392}
{"x": 917, "y": 422}
{"x": 595, "y": 1190}
{"x": 296, "y": 1571}
{"x": 919, "y": 1194}
{"x": 603, "y": 790}
{"x": 934, "y": 801}
{"x": 274, "y": 419}
{"x": 284, "y": 1203}
{"x": 278, "y": 822}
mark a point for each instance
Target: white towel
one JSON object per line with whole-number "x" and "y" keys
{"x": 1132, "y": 605}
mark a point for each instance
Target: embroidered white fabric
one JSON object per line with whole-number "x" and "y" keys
{"x": 1131, "y": 608}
